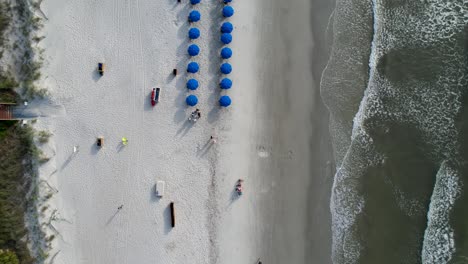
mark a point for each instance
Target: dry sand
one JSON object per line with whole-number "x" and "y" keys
{"x": 273, "y": 136}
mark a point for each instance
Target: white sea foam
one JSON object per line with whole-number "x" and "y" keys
{"x": 429, "y": 107}
{"x": 439, "y": 244}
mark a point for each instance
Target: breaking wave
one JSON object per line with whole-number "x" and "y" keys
{"x": 396, "y": 88}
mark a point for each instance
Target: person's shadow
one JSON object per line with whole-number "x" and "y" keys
{"x": 112, "y": 217}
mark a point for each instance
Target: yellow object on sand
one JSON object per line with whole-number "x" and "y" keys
{"x": 124, "y": 141}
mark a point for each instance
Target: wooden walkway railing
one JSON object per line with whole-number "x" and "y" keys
{"x": 6, "y": 111}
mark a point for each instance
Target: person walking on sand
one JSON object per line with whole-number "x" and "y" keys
{"x": 120, "y": 207}
{"x": 213, "y": 139}
{"x": 124, "y": 141}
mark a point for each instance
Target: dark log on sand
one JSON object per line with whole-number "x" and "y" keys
{"x": 172, "y": 214}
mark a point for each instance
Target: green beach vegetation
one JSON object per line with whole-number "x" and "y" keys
{"x": 16, "y": 167}
{"x": 19, "y": 156}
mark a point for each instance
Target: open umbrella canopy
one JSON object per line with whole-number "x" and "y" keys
{"x": 194, "y": 16}
{"x": 226, "y": 68}
{"x": 226, "y": 38}
{"x": 227, "y": 1}
{"x": 191, "y": 100}
{"x": 225, "y": 83}
{"x": 194, "y": 33}
{"x": 194, "y": 2}
{"x": 193, "y": 50}
{"x": 192, "y": 84}
{"x": 228, "y": 11}
{"x": 226, "y": 53}
{"x": 225, "y": 101}
{"x": 227, "y": 27}
{"x": 193, "y": 67}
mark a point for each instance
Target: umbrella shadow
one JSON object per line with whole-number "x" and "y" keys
{"x": 213, "y": 115}
{"x": 174, "y": 3}
{"x": 167, "y": 219}
{"x": 215, "y": 48}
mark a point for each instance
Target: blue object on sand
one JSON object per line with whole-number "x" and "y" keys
{"x": 225, "y": 83}
{"x": 194, "y": 16}
{"x": 225, "y": 101}
{"x": 226, "y": 68}
{"x": 227, "y": 27}
{"x": 191, "y": 100}
{"x": 228, "y": 11}
{"x": 226, "y": 53}
{"x": 193, "y": 50}
{"x": 193, "y": 67}
{"x": 192, "y": 84}
{"x": 227, "y": 1}
{"x": 194, "y": 2}
{"x": 226, "y": 38}
{"x": 194, "y": 33}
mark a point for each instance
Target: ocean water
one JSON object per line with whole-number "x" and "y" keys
{"x": 396, "y": 85}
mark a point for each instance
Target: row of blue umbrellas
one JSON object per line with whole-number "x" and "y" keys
{"x": 224, "y": 100}
{"x": 226, "y": 53}
{"x": 225, "y": 83}
{"x": 195, "y": 15}
{"x": 194, "y": 50}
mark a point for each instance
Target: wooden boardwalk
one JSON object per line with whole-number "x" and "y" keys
{"x": 6, "y": 112}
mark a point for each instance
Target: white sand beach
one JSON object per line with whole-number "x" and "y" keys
{"x": 269, "y": 136}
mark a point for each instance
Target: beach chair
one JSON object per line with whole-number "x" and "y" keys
{"x": 159, "y": 189}
{"x": 100, "y": 141}
{"x": 101, "y": 68}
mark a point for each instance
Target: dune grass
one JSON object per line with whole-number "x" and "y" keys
{"x": 16, "y": 146}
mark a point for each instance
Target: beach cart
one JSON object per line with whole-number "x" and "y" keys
{"x": 159, "y": 189}
{"x": 155, "y": 96}
{"x": 101, "y": 67}
{"x": 171, "y": 205}
{"x": 100, "y": 141}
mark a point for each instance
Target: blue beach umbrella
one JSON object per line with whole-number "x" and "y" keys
{"x": 194, "y": 16}
{"x": 227, "y": 27}
{"x": 225, "y": 101}
{"x": 194, "y": 33}
{"x": 226, "y": 38}
{"x": 225, "y": 83}
{"x": 193, "y": 67}
{"x": 226, "y": 68}
{"x": 191, "y": 100}
{"x": 227, "y": 1}
{"x": 193, "y": 50}
{"x": 228, "y": 11}
{"x": 194, "y": 2}
{"x": 226, "y": 53}
{"x": 192, "y": 84}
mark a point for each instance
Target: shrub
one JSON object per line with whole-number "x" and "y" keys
{"x": 43, "y": 136}
{"x": 8, "y": 257}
